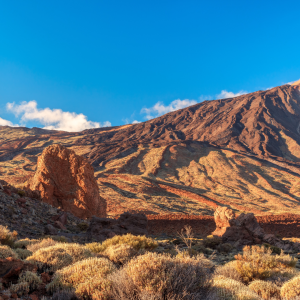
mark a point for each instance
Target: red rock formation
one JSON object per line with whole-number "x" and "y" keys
{"x": 67, "y": 180}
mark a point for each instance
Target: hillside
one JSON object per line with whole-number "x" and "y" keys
{"x": 243, "y": 152}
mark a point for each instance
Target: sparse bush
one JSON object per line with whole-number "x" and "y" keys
{"x": 230, "y": 289}
{"x": 291, "y": 289}
{"x": 6, "y": 252}
{"x": 32, "y": 279}
{"x": 164, "y": 276}
{"x": 258, "y": 263}
{"x": 59, "y": 256}
{"x": 275, "y": 250}
{"x": 83, "y": 226}
{"x": 23, "y": 253}
{"x": 23, "y": 243}
{"x": 228, "y": 271}
{"x": 120, "y": 253}
{"x": 137, "y": 242}
{"x": 226, "y": 247}
{"x": 21, "y": 193}
{"x": 20, "y": 288}
{"x": 88, "y": 277}
{"x": 265, "y": 289}
{"x": 33, "y": 247}
{"x": 6, "y": 236}
{"x": 212, "y": 242}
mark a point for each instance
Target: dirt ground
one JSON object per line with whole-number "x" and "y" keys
{"x": 285, "y": 225}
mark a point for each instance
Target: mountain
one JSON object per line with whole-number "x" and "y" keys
{"x": 243, "y": 152}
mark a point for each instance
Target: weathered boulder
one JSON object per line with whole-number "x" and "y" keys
{"x": 67, "y": 180}
{"x": 101, "y": 229}
{"x": 244, "y": 230}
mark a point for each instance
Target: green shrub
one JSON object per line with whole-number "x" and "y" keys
{"x": 59, "y": 256}
{"x": 23, "y": 253}
{"x": 6, "y": 252}
{"x": 23, "y": 243}
{"x": 31, "y": 278}
{"x": 19, "y": 288}
{"x": 226, "y": 247}
{"x": 137, "y": 242}
{"x": 6, "y": 236}
{"x": 275, "y": 250}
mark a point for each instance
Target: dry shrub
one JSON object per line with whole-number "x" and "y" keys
{"x": 164, "y": 276}
{"x": 226, "y": 247}
{"x": 265, "y": 289}
{"x": 291, "y": 289}
{"x": 88, "y": 277}
{"x": 31, "y": 278}
{"x": 23, "y": 253}
{"x": 137, "y": 242}
{"x": 228, "y": 271}
{"x": 258, "y": 263}
{"x": 6, "y": 236}
{"x": 23, "y": 243}
{"x": 64, "y": 295}
{"x": 282, "y": 276}
{"x": 6, "y": 252}
{"x": 33, "y": 247}
{"x": 59, "y": 256}
{"x": 212, "y": 242}
{"x": 230, "y": 289}
{"x": 20, "y": 289}
{"x": 120, "y": 254}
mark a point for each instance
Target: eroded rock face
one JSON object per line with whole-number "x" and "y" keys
{"x": 245, "y": 230}
{"x": 103, "y": 228}
{"x": 67, "y": 180}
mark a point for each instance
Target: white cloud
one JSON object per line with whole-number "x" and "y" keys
{"x": 6, "y": 123}
{"x": 53, "y": 118}
{"x": 135, "y": 122}
{"x": 224, "y": 94}
{"x": 160, "y": 109}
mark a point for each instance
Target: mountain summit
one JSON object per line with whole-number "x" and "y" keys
{"x": 242, "y": 152}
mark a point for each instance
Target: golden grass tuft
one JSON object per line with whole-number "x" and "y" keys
{"x": 265, "y": 289}
{"x": 6, "y": 236}
{"x": 291, "y": 289}
{"x": 228, "y": 271}
{"x": 259, "y": 263}
{"x": 230, "y": 289}
{"x": 120, "y": 253}
{"x": 6, "y": 252}
{"x": 20, "y": 289}
{"x": 137, "y": 242}
{"x": 59, "y": 256}
{"x": 88, "y": 277}
{"x": 33, "y": 247}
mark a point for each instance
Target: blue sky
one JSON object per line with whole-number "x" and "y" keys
{"x": 78, "y": 64}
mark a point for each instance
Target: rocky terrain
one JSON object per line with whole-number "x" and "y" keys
{"x": 243, "y": 152}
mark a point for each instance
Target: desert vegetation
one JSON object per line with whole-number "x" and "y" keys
{"x": 132, "y": 267}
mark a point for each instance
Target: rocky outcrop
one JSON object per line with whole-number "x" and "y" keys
{"x": 67, "y": 180}
{"x": 244, "y": 230}
{"x": 101, "y": 229}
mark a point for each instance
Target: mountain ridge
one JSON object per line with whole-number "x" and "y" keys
{"x": 242, "y": 152}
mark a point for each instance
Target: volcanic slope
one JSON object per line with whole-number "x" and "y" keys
{"x": 242, "y": 152}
